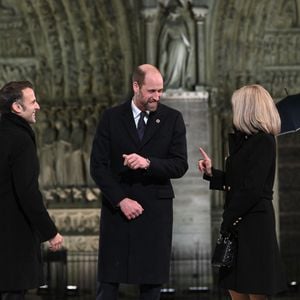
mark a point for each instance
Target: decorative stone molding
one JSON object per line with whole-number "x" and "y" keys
{"x": 73, "y": 222}
{"x": 200, "y": 13}
{"x": 149, "y": 14}
{"x": 82, "y": 243}
{"x": 182, "y": 94}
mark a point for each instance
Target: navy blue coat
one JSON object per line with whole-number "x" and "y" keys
{"x": 24, "y": 220}
{"x": 248, "y": 182}
{"x": 138, "y": 250}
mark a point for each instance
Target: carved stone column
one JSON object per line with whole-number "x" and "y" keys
{"x": 192, "y": 207}
{"x": 149, "y": 15}
{"x": 199, "y": 16}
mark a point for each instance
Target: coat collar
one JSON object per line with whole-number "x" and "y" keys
{"x": 14, "y": 120}
{"x": 153, "y": 124}
{"x": 236, "y": 140}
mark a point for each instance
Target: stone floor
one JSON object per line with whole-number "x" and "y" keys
{"x": 32, "y": 295}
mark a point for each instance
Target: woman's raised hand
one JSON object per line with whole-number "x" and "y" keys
{"x": 205, "y": 164}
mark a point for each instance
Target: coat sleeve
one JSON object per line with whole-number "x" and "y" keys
{"x": 25, "y": 172}
{"x": 100, "y": 163}
{"x": 259, "y": 169}
{"x": 175, "y": 164}
{"x": 217, "y": 180}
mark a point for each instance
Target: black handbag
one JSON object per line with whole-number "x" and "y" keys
{"x": 225, "y": 251}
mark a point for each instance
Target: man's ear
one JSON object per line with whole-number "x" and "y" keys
{"x": 135, "y": 86}
{"x": 16, "y": 107}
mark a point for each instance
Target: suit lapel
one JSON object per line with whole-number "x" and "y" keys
{"x": 128, "y": 123}
{"x": 153, "y": 124}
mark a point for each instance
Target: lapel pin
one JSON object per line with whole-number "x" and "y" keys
{"x": 157, "y": 121}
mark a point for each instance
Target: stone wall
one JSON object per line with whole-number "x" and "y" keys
{"x": 192, "y": 207}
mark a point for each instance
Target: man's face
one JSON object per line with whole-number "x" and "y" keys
{"x": 148, "y": 95}
{"x": 28, "y": 106}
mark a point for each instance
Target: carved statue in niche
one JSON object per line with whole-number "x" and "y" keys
{"x": 90, "y": 123}
{"x": 47, "y": 137}
{"x": 43, "y": 81}
{"x": 63, "y": 148}
{"x": 76, "y": 168}
{"x": 64, "y": 137}
{"x": 174, "y": 47}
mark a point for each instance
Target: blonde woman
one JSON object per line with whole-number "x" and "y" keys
{"x": 248, "y": 182}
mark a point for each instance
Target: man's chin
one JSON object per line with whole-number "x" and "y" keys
{"x": 32, "y": 121}
{"x": 152, "y": 107}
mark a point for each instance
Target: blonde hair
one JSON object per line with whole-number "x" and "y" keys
{"x": 254, "y": 110}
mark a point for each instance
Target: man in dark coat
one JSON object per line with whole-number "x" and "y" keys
{"x": 132, "y": 163}
{"x": 24, "y": 220}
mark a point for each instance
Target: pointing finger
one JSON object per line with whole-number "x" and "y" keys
{"x": 203, "y": 153}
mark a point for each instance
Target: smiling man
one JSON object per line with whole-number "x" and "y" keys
{"x": 139, "y": 146}
{"x": 24, "y": 220}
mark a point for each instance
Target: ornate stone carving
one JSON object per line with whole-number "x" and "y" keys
{"x": 16, "y": 70}
{"x": 68, "y": 42}
{"x": 64, "y": 136}
{"x": 53, "y": 45}
{"x": 80, "y": 228}
{"x": 200, "y": 13}
{"x": 82, "y": 243}
{"x": 150, "y": 14}
{"x": 253, "y": 55}
{"x": 76, "y": 221}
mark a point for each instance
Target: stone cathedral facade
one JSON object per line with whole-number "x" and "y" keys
{"x": 79, "y": 54}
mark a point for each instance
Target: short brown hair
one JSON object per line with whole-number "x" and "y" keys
{"x": 138, "y": 76}
{"x": 140, "y": 72}
{"x": 12, "y": 92}
{"x": 254, "y": 110}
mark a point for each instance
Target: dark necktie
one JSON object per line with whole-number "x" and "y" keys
{"x": 141, "y": 125}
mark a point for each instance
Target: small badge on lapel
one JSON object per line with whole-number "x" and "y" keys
{"x": 157, "y": 121}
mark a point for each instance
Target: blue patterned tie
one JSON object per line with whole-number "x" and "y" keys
{"x": 141, "y": 125}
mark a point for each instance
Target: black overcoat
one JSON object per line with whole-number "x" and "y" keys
{"x": 138, "y": 250}
{"x": 248, "y": 182}
{"x": 24, "y": 220}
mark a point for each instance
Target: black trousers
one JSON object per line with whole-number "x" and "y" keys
{"x": 12, "y": 295}
{"x": 109, "y": 291}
